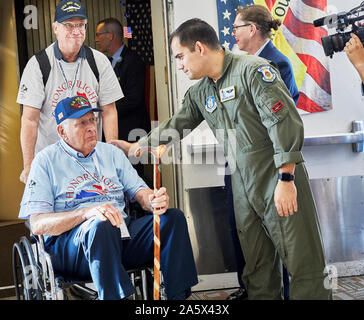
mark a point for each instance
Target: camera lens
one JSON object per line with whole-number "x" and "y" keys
{"x": 328, "y": 46}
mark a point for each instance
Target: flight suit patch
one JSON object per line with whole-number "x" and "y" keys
{"x": 227, "y": 94}
{"x": 210, "y": 104}
{"x": 278, "y": 106}
{"x": 268, "y": 74}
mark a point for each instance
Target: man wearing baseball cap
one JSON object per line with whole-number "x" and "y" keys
{"x": 64, "y": 69}
{"x": 75, "y": 197}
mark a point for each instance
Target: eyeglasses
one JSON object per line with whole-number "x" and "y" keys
{"x": 242, "y": 25}
{"x": 71, "y": 26}
{"x": 100, "y": 33}
{"x": 84, "y": 123}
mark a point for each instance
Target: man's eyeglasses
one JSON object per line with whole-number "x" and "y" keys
{"x": 242, "y": 25}
{"x": 84, "y": 123}
{"x": 71, "y": 26}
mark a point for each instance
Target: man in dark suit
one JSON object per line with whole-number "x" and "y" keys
{"x": 130, "y": 71}
{"x": 133, "y": 118}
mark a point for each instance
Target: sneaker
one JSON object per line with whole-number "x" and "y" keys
{"x": 240, "y": 294}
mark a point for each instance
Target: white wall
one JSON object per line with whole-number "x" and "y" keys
{"x": 348, "y": 105}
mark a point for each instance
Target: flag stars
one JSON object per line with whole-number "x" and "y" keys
{"x": 224, "y": 1}
{"x": 226, "y": 31}
{"x": 226, "y": 14}
{"x": 226, "y": 45}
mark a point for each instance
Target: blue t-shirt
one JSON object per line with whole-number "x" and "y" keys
{"x": 62, "y": 179}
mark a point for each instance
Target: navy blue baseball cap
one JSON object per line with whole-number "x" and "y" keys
{"x": 67, "y": 9}
{"x": 73, "y": 108}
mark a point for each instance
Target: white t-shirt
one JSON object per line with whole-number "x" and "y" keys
{"x": 81, "y": 81}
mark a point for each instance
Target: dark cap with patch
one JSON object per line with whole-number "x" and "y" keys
{"x": 67, "y": 9}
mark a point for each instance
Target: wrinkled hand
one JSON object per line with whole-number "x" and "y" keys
{"x": 24, "y": 174}
{"x": 105, "y": 212}
{"x": 355, "y": 51}
{"x": 159, "y": 201}
{"x": 285, "y": 198}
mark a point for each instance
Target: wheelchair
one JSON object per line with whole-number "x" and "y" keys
{"x": 35, "y": 278}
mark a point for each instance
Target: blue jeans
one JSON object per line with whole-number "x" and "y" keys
{"x": 94, "y": 249}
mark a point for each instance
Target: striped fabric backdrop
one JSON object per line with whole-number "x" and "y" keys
{"x": 138, "y": 15}
{"x": 298, "y": 39}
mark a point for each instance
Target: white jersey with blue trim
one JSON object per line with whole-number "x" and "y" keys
{"x": 66, "y": 79}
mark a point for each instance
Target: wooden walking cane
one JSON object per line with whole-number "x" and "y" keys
{"x": 157, "y": 153}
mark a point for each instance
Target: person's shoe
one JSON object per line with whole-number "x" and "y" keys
{"x": 240, "y": 294}
{"x": 83, "y": 292}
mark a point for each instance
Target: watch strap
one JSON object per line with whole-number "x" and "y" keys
{"x": 285, "y": 176}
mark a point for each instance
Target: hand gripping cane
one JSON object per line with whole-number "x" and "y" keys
{"x": 157, "y": 153}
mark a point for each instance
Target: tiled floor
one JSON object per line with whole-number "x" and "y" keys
{"x": 348, "y": 288}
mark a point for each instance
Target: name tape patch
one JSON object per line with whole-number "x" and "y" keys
{"x": 278, "y": 106}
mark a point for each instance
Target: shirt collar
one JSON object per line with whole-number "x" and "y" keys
{"x": 58, "y": 54}
{"x": 117, "y": 56}
{"x": 228, "y": 57}
{"x": 262, "y": 48}
{"x": 74, "y": 153}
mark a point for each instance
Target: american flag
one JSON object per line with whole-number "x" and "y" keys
{"x": 297, "y": 39}
{"x": 127, "y": 33}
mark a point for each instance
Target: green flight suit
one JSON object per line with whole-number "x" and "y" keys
{"x": 269, "y": 133}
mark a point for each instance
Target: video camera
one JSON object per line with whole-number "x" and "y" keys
{"x": 336, "y": 42}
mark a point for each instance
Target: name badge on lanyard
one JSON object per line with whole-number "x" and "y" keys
{"x": 210, "y": 104}
{"x": 227, "y": 94}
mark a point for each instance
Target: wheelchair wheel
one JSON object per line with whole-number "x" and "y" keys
{"x": 25, "y": 272}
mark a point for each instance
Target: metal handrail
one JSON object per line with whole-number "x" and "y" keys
{"x": 343, "y": 138}
{"x": 356, "y": 138}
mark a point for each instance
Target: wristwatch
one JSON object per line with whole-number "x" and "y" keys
{"x": 285, "y": 177}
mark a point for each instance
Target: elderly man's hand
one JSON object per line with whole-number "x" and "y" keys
{"x": 355, "y": 51}
{"x": 105, "y": 212}
{"x": 159, "y": 201}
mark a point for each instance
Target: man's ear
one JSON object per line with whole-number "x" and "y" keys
{"x": 62, "y": 132}
{"x": 200, "y": 48}
{"x": 55, "y": 27}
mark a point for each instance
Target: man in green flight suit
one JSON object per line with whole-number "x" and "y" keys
{"x": 275, "y": 212}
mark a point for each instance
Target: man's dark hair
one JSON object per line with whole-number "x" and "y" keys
{"x": 195, "y": 30}
{"x": 113, "y": 25}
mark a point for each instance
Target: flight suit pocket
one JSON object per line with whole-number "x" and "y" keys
{"x": 272, "y": 110}
{"x": 272, "y": 223}
{"x": 272, "y": 114}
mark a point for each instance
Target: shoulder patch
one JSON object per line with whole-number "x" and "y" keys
{"x": 268, "y": 75}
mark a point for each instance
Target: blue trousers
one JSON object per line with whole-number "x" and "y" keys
{"x": 239, "y": 257}
{"x": 94, "y": 249}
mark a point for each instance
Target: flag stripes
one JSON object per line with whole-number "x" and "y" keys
{"x": 299, "y": 40}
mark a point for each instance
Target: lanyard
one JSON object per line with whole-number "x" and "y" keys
{"x": 69, "y": 91}
{"x": 96, "y": 162}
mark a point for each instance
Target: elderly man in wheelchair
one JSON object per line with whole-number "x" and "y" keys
{"x": 75, "y": 198}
